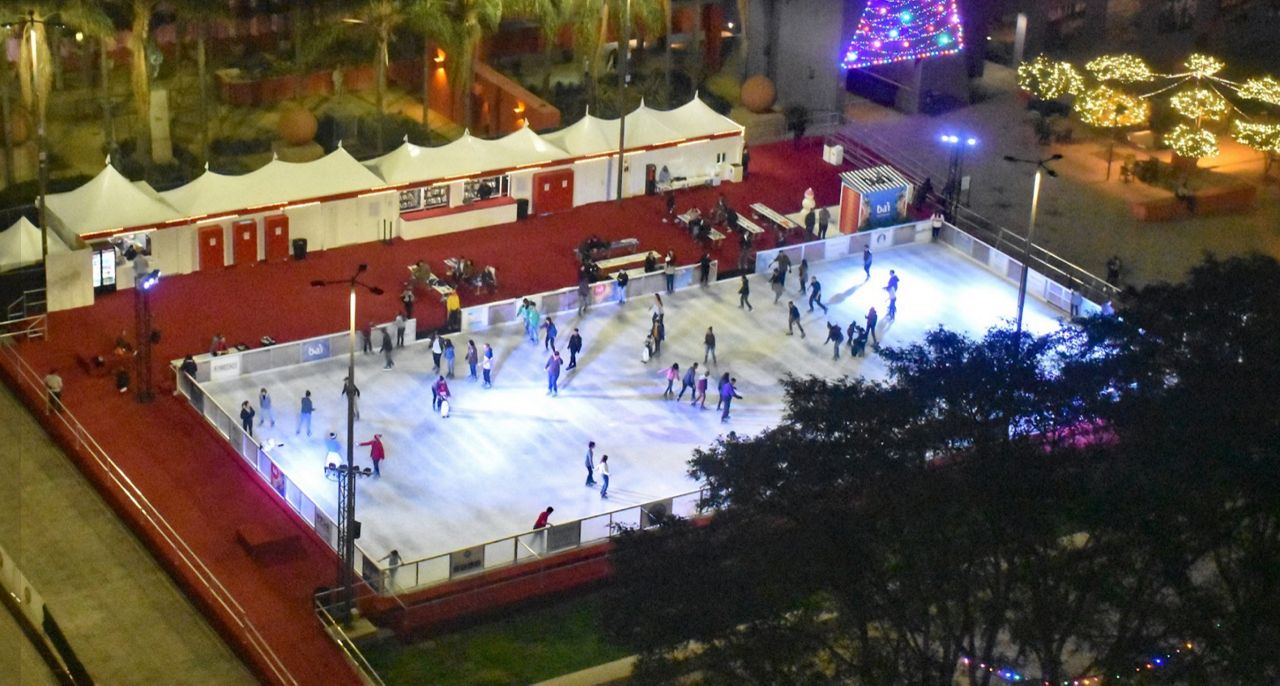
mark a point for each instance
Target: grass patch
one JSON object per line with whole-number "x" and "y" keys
{"x": 524, "y": 648}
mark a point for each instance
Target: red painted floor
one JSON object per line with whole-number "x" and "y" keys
{"x": 200, "y": 485}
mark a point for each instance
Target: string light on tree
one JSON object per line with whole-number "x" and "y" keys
{"x": 1192, "y": 142}
{"x": 1263, "y": 137}
{"x": 1049, "y": 79}
{"x": 1201, "y": 103}
{"x": 1122, "y": 68}
{"x": 1265, "y": 89}
{"x": 1203, "y": 66}
{"x": 899, "y": 30}
{"x": 1106, "y": 107}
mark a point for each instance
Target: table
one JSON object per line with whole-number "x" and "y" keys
{"x": 615, "y": 262}
{"x": 749, "y": 226}
{"x": 764, "y": 211}
{"x": 715, "y": 236}
{"x": 688, "y": 216}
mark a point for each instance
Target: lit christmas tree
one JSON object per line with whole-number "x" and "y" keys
{"x": 897, "y": 30}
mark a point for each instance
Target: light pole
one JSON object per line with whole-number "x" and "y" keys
{"x": 345, "y": 475}
{"x": 955, "y": 169}
{"x": 624, "y": 58}
{"x": 143, "y": 286}
{"x": 1041, "y": 167}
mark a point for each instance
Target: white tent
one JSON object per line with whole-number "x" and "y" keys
{"x": 20, "y": 245}
{"x": 277, "y": 182}
{"x": 465, "y": 156}
{"x": 695, "y": 119}
{"x": 587, "y": 136}
{"x": 108, "y": 201}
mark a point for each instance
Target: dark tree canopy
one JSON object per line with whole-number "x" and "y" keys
{"x": 1066, "y": 505}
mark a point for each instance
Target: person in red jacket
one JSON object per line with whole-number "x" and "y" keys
{"x": 376, "y": 452}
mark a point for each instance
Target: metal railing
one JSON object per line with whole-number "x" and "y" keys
{"x": 148, "y": 515}
{"x": 339, "y": 635}
{"x": 27, "y": 327}
{"x": 862, "y": 147}
{"x": 534, "y": 545}
{"x": 30, "y": 303}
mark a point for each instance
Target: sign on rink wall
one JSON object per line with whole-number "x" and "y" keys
{"x": 224, "y": 367}
{"x": 315, "y": 349}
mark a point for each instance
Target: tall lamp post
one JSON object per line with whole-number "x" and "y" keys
{"x": 955, "y": 169}
{"x": 1041, "y": 166}
{"x": 143, "y": 286}
{"x": 624, "y": 66}
{"x": 346, "y": 475}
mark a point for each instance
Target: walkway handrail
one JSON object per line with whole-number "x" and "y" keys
{"x": 348, "y": 646}
{"x": 183, "y": 554}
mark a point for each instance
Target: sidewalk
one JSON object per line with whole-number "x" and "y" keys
{"x": 120, "y": 611}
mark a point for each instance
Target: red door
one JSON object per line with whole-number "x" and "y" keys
{"x": 211, "y": 249}
{"x": 244, "y": 242}
{"x": 553, "y": 191}
{"x": 277, "y": 228}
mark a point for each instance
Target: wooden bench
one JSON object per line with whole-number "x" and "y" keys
{"x": 628, "y": 244}
{"x": 749, "y": 226}
{"x": 624, "y": 260}
{"x": 261, "y": 544}
{"x": 764, "y": 212}
{"x": 715, "y": 236}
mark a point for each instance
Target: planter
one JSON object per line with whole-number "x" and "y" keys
{"x": 277, "y": 89}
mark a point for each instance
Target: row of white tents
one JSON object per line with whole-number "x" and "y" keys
{"x": 110, "y": 203}
{"x": 219, "y": 219}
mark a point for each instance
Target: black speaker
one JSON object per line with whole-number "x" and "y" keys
{"x": 522, "y": 208}
{"x": 355, "y": 528}
{"x": 299, "y": 248}
{"x": 155, "y": 336}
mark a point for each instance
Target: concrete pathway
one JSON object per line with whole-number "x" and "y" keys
{"x": 124, "y": 617}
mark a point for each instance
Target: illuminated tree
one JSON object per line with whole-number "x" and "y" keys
{"x": 1122, "y": 68}
{"x": 1192, "y": 142}
{"x": 1107, "y": 108}
{"x": 1049, "y": 79}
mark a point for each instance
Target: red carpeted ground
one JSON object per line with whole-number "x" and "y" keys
{"x": 202, "y": 487}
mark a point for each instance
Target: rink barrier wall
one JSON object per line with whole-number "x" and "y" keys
{"x": 1002, "y": 265}
{"x": 533, "y": 546}
{"x": 481, "y": 317}
{"x": 259, "y": 460}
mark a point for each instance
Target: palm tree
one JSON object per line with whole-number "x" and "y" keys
{"x": 552, "y": 15}
{"x": 466, "y": 23}
{"x": 199, "y": 13}
{"x": 140, "y": 71}
{"x": 428, "y": 20}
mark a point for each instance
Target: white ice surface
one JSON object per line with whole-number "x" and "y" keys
{"x": 508, "y": 452}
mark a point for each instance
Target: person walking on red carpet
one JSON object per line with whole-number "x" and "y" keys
{"x": 377, "y": 453}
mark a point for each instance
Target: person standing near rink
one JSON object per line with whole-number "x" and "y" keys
{"x": 604, "y": 476}
{"x": 473, "y": 359}
{"x": 304, "y": 414}
{"x": 590, "y": 463}
{"x": 264, "y": 408}
{"x": 377, "y": 453}
{"x": 386, "y": 348}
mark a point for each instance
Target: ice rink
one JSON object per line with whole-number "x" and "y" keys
{"x": 508, "y": 452}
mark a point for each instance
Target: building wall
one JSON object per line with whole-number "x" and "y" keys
{"x": 798, "y": 43}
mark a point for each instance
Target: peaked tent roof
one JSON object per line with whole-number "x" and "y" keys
{"x": 464, "y": 156}
{"x": 108, "y": 201}
{"x": 695, "y": 118}
{"x": 587, "y": 136}
{"x": 20, "y": 244}
{"x": 276, "y": 182}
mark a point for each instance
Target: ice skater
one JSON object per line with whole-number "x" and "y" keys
{"x": 332, "y": 449}
{"x": 400, "y": 327}
{"x": 473, "y": 359}
{"x": 553, "y": 373}
{"x": 377, "y": 453}
{"x": 775, "y": 284}
{"x": 352, "y": 391}
{"x": 449, "y": 354}
{"x": 549, "y": 342}
{"x": 893, "y": 305}
{"x": 670, "y": 374}
{"x": 892, "y": 286}
{"x": 793, "y": 319}
{"x": 246, "y": 417}
{"x": 709, "y": 346}
{"x": 815, "y": 294}
{"x": 534, "y": 318}
{"x": 439, "y": 393}
{"x": 803, "y": 273}
{"x": 783, "y": 263}
{"x": 604, "y": 476}
{"x": 584, "y": 294}
{"x": 669, "y": 271}
{"x": 724, "y": 379}
{"x": 866, "y": 260}
{"x": 872, "y": 318}
{"x": 575, "y": 347}
{"x": 264, "y": 408}
{"x": 689, "y": 383}
{"x": 744, "y": 294}
{"x": 834, "y": 335}
{"x": 487, "y": 370}
{"x": 367, "y": 335}
{"x": 437, "y": 351}
{"x": 590, "y": 463}
{"x": 700, "y": 393}
{"x": 659, "y": 332}
{"x": 620, "y": 286}
{"x": 386, "y": 348}
{"x": 704, "y": 270}
{"x": 728, "y": 393}
{"x": 304, "y": 414}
